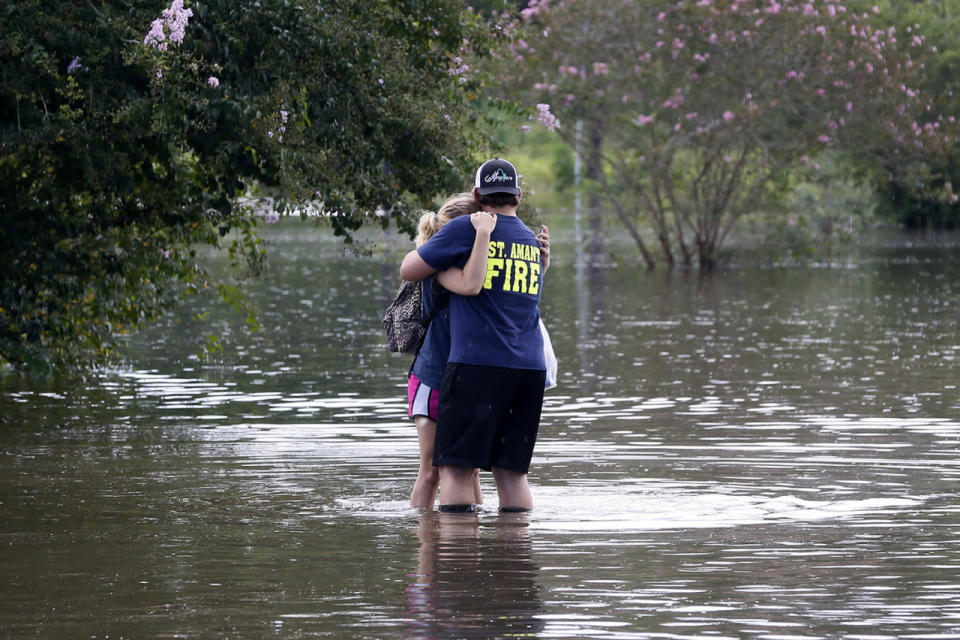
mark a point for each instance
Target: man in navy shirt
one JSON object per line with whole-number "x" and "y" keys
{"x": 492, "y": 389}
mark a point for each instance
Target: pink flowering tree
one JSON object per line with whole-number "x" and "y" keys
{"x": 696, "y": 112}
{"x": 936, "y": 21}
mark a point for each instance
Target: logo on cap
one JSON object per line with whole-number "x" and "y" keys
{"x": 498, "y": 176}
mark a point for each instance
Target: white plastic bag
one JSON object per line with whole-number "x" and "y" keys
{"x": 549, "y": 357}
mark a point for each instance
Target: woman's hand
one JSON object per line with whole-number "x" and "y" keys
{"x": 469, "y": 280}
{"x": 483, "y": 221}
{"x": 543, "y": 239}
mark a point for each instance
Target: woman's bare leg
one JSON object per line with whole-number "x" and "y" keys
{"x": 428, "y": 477}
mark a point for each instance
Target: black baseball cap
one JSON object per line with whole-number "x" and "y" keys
{"x": 497, "y": 176}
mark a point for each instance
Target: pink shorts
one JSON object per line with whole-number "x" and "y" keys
{"x": 422, "y": 399}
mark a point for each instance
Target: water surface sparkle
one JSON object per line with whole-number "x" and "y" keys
{"x": 745, "y": 454}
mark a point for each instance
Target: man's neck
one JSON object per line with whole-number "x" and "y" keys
{"x": 500, "y": 211}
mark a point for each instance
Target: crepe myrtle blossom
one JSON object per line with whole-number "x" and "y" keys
{"x": 460, "y": 69}
{"x": 546, "y": 118}
{"x": 271, "y": 215}
{"x": 540, "y": 86}
{"x": 281, "y": 128}
{"x": 174, "y": 20}
{"x": 213, "y": 82}
{"x": 156, "y": 37}
{"x": 75, "y": 66}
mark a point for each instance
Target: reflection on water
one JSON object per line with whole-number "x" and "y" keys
{"x": 460, "y": 564}
{"x": 749, "y": 453}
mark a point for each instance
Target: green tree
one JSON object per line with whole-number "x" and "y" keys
{"x": 130, "y": 131}
{"x": 695, "y": 113}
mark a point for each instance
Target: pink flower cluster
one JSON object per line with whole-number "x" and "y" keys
{"x": 546, "y": 118}
{"x": 460, "y": 69}
{"x": 175, "y": 21}
{"x": 674, "y": 102}
{"x": 535, "y": 7}
{"x": 271, "y": 215}
{"x": 284, "y": 116}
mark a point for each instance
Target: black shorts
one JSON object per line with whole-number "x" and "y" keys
{"x": 489, "y": 417}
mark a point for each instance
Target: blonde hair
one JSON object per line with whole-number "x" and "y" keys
{"x": 455, "y": 206}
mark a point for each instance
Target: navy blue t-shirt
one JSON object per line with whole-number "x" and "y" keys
{"x": 431, "y": 360}
{"x": 500, "y": 326}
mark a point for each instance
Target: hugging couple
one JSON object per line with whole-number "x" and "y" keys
{"x": 476, "y": 387}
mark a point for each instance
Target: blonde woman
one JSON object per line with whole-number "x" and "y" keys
{"x": 427, "y": 371}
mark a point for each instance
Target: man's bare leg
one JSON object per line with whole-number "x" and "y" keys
{"x": 456, "y": 487}
{"x": 477, "y": 491}
{"x": 513, "y": 489}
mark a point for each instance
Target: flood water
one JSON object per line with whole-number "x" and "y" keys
{"x": 750, "y": 453}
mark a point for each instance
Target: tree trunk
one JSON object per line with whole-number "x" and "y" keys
{"x": 658, "y": 211}
{"x": 594, "y": 161}
{"x": 595, "y": 171}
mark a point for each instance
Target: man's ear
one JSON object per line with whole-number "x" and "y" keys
{"x": 476, "y": 195}
{"x": 519, "y": 195}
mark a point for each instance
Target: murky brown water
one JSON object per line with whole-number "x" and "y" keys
{"x": 747, "y": 454}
